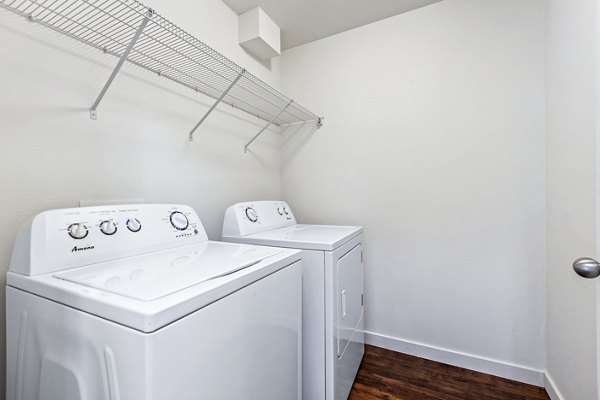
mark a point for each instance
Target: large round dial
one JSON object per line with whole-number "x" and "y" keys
{"x": 251, "y": 214}
{"x": 286, "y": 211}
{"x": 133, "y": 224}
{"x": 280, "y": 210}
{"x": 108, "y": 227}
{"x": 179, "y": 221}
{"x": 77, "y": 230}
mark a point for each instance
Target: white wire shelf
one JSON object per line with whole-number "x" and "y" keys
{"x": 135, "y": 33}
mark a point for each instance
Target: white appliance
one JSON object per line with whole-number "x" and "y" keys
{"x": 135, "y": 303}
{"x": 333, "y": 336}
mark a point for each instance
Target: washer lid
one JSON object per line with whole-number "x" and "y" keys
{"x": 180, "y": 281}
{"x": 305, "y": 237}
{"x": 155, "y": 275}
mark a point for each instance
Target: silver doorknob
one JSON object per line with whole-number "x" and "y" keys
{"x": 587, "y": 267}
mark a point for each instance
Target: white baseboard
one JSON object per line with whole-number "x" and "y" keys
{"x": 463, "y": 360}
{"x": 551, "y": 388}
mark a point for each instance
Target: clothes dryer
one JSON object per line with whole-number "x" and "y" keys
{"x": 333, "y": 301}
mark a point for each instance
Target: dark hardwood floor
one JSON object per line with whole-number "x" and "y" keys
{"x": 388, "y": 375}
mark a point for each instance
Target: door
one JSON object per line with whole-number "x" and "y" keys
{"x": 344, "y": 317}
{"x": 349, "y": 271}
{"x": 572, "y": 198}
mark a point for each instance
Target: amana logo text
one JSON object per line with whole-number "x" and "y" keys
{"x": 74, "y": 249}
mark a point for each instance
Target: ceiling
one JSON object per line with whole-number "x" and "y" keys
{"x": 303, "y": 21}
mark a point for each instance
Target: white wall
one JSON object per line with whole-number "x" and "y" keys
{"x": 572, "y": 115}
{"x": 434, "y": 141}
{"x": 52, "y": 155}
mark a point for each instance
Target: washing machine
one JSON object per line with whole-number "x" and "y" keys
{"x": 333, "y": 301}
{"x": 134, "y": 302}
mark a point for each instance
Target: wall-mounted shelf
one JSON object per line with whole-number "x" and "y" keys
{"x": 135, "y": 33}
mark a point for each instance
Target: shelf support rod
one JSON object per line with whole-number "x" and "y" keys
{"x": 140, "y": 29}
{"x": 210, "y": 110}
{"x": 267, "y": 125}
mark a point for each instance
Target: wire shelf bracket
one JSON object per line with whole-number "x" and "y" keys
{"x": 113, "y": 75}
{"x": 133, "y": 32}
{"x": 215, "y": 104}
{"x": 267, "y": 125}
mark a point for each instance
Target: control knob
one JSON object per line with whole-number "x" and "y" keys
{"x": 251, "y": 214}
{"x": 179, "y": 221}
{"x": 108, "y": 227}
{"x": 286, "y": 211}
{"x": 280, "y": 210}
{"x": 77, "y": 230}
{"x": 133, "y": 224}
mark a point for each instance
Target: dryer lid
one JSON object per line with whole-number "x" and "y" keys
{"x": 305, "y": 237}
{"x": 155, "y": 275}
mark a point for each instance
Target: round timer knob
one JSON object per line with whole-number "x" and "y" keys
{"x": 179, "y": 221}
{"x": 133, "y": 224}
{"x": 286, "y": 211}
{"x": 108, "y": 227}
{"x": 280, "y": 210}
{"x": 251, "y": 214}
{"x": 77, "y": 231}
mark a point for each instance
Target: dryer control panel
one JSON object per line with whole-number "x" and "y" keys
{"x": 244, "y": 219}
{"x": 59, "y": 239}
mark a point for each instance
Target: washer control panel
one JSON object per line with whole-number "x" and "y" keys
{"x": 74, "y": 237}
{"x": 247, "y": 218}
